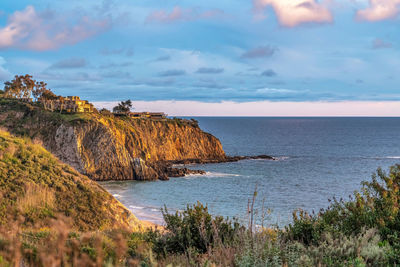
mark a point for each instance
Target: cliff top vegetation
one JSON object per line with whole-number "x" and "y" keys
{"x": 34, "y": 112}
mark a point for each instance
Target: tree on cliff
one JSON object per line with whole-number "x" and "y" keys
{"x": 123, "y": 107}
{"x": 40, "y": 89}
{"x": 47, "y": 97}
{"x": 23, "y": 86}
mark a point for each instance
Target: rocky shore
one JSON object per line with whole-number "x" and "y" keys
{"x": 170, "y": 168}
{"x": 222, "y": 160}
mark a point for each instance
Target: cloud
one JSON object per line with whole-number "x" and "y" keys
{"x": 209, "y": 84}
{"x": 118, "y": 51}
{"x": 277, "y": 91}
{"x": 155, "y": 82}
{"x": 116, "y": 65}
{"x": 116, "y": 75}
{"x": 292, "y": 13}
{"x": 71, "y": 63}
{"x": 163, "y": 58}
{"x": 269, "y": 73}
{"x": 380, "y": 44}
{"x": 210, "y": 70}
{"x": 182, "y": 14}
{"x": 379, "y": 10}
{"x": 68, "y": 77}
{"x": 170, "y": 73}
{"x": 41, "y": 31}
{"x": 259, "y": 52}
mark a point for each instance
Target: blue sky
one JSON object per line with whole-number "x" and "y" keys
{"x": 235, "y": 51}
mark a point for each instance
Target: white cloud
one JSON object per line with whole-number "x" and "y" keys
{"x": 40, "y": 31}
{"x": 292, "y": 13}
{"x": 379, "y": 10}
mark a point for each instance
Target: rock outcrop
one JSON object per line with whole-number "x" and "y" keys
{"x": 111, "y": 148}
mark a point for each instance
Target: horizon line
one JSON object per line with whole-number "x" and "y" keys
{"x": 187, "y": 108}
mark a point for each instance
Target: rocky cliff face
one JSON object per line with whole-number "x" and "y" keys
{"x": 110, "y": 148}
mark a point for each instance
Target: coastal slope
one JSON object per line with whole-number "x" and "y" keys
{"x": 35, "y": 187}
{"x": 105, "y": 147}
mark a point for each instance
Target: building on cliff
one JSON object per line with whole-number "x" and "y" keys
{"x": 144, "y": 115}
{"x": 148, "y": 115}
{"x": 69, "y": 104}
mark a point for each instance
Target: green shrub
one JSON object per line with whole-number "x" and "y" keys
{"x": 376, "y": 207}
{"x": 195, "y": 230}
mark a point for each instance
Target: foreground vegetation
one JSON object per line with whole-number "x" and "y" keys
{"x": 52, "y": 216}
{"x": 361, "y": 232}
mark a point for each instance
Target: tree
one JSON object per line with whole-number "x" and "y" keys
{"x": 23, "y": 86}
{"x": 123, "y": 107}
{"x": 47, "y": 97}
{"x": 40, "y": 88}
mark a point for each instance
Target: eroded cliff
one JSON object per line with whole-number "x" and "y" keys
{"x": 111, "y": 148}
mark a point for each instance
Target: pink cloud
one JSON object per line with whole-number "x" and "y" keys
{"x": 379, "y": 10}
{"x": 181, "y": 14}
{"x": 292, "y": 13}
{"x": 32, "y": 30}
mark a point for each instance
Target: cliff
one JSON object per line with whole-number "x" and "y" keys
{"x": 35, "y": 187}
{"x": 105, "y": 147}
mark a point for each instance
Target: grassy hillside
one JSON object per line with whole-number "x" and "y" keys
{"x": 35, "y": 187}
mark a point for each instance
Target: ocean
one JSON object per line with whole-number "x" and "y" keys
{"x": 317, "y": 159}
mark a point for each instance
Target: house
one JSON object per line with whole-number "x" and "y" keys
{"x": 148, "y": 115}
{"x": 75, "y": 104}
{"x": 69, "y": 104}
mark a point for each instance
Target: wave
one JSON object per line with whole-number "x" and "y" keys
{"x": 136, "y": 207}
{"x": 213, "y": 174}
{"x": 382, "y": 158}
{"x": 281, "y": 158}
{"x": 149, "y": 214}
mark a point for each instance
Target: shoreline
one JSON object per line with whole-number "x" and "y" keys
{"x": 170, "y": 169}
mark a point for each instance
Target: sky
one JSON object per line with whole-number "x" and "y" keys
{"x": 226, "y": 57}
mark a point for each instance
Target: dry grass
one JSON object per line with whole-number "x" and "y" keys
{"x": 59, "y": 245}
{"x": 36, "y": 197}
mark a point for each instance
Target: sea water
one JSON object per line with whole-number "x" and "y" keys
{"x": 317, "y": 159}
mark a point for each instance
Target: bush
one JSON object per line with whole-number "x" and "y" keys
{"x": 105, "y": 112}
{"x": 195, "y": 230}
{"x": 377, "y": 206}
